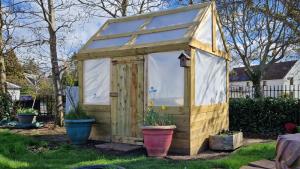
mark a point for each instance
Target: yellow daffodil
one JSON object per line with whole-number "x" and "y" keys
{"x": 151, "y": 103}
{"x": 163, "y": 107}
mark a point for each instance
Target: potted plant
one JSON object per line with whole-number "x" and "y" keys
{"x": 77, "y": 123}
{"x": 26, "y": 116}
{"x": 226, "y": 140}
{"x": 158, "y": 133}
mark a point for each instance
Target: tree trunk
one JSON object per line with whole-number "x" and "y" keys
{"x": 256, "y": 80}
{"x": 3, "y": 87}
{"x": 55, "y": 67}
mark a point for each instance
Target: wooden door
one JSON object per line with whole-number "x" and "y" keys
{"x": 127, "y": 99}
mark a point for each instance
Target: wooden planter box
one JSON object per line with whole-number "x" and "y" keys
{"x": 226, "y": 142}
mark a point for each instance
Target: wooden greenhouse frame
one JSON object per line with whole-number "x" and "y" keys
{"x": 128, "y": 96}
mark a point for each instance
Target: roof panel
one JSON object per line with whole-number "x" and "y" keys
{"x": 109, "y": 42}
{"x": 163, "y": 26}
{"x": 123, "y": 27}
{"x": 173, "y": 19}
{"x": 161, "y": 36}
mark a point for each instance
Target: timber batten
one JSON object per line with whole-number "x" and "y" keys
{"x": 121, "y": 119}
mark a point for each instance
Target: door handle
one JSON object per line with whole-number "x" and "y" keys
{"x": 113, "y": 94}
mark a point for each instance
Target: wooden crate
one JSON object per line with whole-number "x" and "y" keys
{"x": 226, "y": 142}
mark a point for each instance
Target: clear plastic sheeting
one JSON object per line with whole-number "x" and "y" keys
{"x": 220, "y": 44}
{"x": 72, "y": 97}
{"x": 173, "y": 19}
{"x": 109, "y": 43}
{"x": 204, "y": 31}
{"x": 123, "y": 27}
{"x": 96, "y": 81}
{"x": 165, "y": 79}
{"x": 161, "y": 36}
{"x": 210, "y": 79}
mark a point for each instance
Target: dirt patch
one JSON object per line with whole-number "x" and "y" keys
{"x": 46, "y": 133}
{"x": 206, "y": 155}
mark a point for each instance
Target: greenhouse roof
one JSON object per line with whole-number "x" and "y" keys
{"x": 146, "y": 31}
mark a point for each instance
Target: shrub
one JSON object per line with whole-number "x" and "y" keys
{"x": 263, "y": 116}
{"x": 6, "y": 105}
{"x": 27, "y": 111}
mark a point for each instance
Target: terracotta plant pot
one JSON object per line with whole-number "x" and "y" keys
{"x": 157, "y": 139}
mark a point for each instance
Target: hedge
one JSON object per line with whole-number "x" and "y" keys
{"x": 263, "y": 116}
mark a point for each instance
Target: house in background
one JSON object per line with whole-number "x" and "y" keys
{"x": 14, "y": 91}
{"x": 280, "y": 76}
{"x": 282, "y": 73}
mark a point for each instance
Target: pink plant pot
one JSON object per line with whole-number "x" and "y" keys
{"x": 157, "y": 140}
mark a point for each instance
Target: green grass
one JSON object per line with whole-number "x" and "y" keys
{"x": 16, "y": 151}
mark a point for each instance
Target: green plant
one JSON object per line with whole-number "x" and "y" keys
{"x": 27, "y": 111}
{"x": 153, "y": 118}
{"x": 265, "y": 116}
{"x": 6, "y": 104}
{"x": 76, "y": 113}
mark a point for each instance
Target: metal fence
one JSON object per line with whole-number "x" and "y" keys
{"x": 292, "y": 91}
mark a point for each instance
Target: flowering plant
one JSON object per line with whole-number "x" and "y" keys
{"x": 153, "y": 118}
{"x": 290, "y": 127}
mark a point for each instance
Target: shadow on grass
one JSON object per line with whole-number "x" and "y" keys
{"x": 22, "y": 152}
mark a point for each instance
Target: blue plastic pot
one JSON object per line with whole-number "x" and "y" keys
{"x": 79, "y": 131}
{"x": 25, "y": 118}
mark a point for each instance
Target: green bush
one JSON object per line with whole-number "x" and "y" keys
{"x": 27, "y": 111}
{"x": 263, "y": 116}
{"x": 6, "y": 105}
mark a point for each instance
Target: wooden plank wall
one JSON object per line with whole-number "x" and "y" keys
{"x": 180, "y": 143}
{"x": 206, "y": 121}
{"x": 101, "y": 130}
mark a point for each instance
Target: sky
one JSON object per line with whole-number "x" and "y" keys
{"x": 74, "y": 40}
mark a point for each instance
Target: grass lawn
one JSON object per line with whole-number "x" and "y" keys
{"x": 18, "y": 151}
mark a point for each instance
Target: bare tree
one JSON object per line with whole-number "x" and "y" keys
{"x": 3, "y": 87}
{"x": 11, "y": 21}
{"x": 289, "y": 16}
{"x": 119, "y": 8}
{"x": 50, "y": 27}
{"x": 254, "y": 37}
